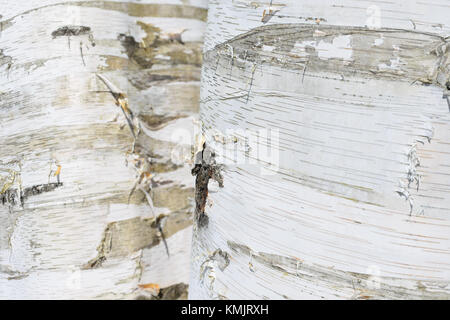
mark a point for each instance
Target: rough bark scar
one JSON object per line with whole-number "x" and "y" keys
{"x": 203, "y": 172}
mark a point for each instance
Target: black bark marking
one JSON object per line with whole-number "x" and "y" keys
{"x": 69, "y": 31}
{"x": 13, "y": 197}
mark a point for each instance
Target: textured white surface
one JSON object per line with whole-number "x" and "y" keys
{"x": 331, "y": 222}
{"x": 50, "y": 110}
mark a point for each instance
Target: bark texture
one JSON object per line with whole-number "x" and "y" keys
{"x": 96, "y": 98}
{"x": 354, "y": 201}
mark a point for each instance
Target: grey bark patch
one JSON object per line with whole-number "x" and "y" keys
{"x": 123, "y": 237}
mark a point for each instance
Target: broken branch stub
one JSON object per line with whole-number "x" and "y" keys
{"x": 205, "y": 169}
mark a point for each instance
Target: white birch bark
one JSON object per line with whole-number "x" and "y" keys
{"x": 353, "y": 202}
{"x": 79, "y": 237}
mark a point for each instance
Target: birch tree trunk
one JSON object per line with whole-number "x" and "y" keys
{"x": 94, "y": 97}
{"x": 351, "y": 199}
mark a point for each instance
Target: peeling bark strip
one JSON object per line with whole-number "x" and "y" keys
{"x": 395, "y": 54}
{"x": 204, "y": 170}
